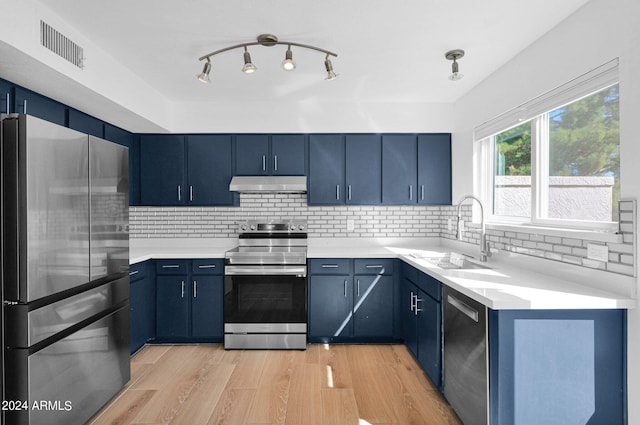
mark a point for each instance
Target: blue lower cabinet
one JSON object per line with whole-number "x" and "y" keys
{"x": 347, "y": 307}
{"x": 189, "y": 300}
{"x": 557, "y": 367}
{"x": 142, "y": 304}
{"x": 206, "y": 303}
{"x": 330, "y": 307}
{"x": 421, "y": 317}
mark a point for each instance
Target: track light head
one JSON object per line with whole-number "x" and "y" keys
{"x": 248, "y": 67}
{"x": 329, "y": 67}
{"x": 288, "y": 64}
{"x": 454, "y": 55}
{"x": 204, "y": 75}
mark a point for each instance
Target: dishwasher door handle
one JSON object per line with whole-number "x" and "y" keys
{"x": 464, "y": 308}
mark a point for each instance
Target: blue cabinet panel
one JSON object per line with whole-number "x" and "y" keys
{"x": 85, "y": 123}
{"x": 252, "y": 154}
{"x": 209, "y": 170}
{"x": 326, "y": 169}
{"x": 399, "y": 169}
{"x": 172, "y": 307}
{"x": 340, "y": 266}
{"x": 363, "y": 169}
{"x": 117, "y": 135}
{"x": 373, "y": 306}
{"x": 558, "y": 366}
{"x": 206, "y": 306}
{"x": 383, "y": 266}
{"x": 162, "y": 171}
{"x": 134, "y": 171}
{"x": 28, "y": 102}
{"x": 5, "y": 97}
{"x": 173, "y": 267}
{"x": 434, "y": 169}
{"x": 210, "y": 266}
{"x": 430, "y": 337}
{"x": 330, "y": 307}
{"x": 409, "y": 324}
{"x": 287, "y": 155}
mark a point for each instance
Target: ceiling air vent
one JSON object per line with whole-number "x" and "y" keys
{"x": 53, "y": 40}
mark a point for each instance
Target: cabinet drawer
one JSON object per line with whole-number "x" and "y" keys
{"x": 171, "y": 266}
{"x": 330, "y": 266}
{"x": 430, "y": 285}
{"x": 373, "y": 266}
{"x": 207, "y": 266}
{"x": 137, "y": 271}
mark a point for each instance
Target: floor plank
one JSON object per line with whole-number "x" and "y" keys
{"x": 323, "y": 385}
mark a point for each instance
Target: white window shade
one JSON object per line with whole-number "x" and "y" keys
{"x": 597, "y": 79}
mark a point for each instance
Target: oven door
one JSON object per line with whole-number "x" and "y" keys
{"x": 265, "y": 306}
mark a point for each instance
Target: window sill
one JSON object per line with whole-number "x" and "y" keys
{"x": 562, "y": 233}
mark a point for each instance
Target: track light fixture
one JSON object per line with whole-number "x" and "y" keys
{"x": 204, "y": 75}
{"x": 248, "y": 67}
{"x": 453, "y": 55}
{"x": 267, "y": 40}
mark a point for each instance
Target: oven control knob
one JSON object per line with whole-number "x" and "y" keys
{"x": 301, "y": 227}
{"x": 293, "y": 227}
{"x": 243, "y": 227}
{"x": 253, "y": 227}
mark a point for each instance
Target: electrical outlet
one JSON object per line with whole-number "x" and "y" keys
{"x": 598, "y": 252}
{"x": 350, "y": 225}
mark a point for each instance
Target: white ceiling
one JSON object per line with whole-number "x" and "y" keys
{"x": 388, "y": 51}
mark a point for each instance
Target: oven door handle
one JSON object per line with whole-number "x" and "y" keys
{"x": 300, "y": 271}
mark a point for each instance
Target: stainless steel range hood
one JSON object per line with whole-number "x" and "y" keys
{"x": 268, "y": 184}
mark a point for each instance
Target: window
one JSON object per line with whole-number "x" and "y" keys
{"x": 558, "y": 163}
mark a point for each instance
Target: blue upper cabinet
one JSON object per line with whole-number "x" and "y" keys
{"x": 209, "y": 170}
{"x": 287, "y": 155}
{"x": 434, "y": 169}
{"x": 399, "y": 169}
{"x": 262, "y": 154}
{"x": 252, "y": 154}
{"x": 363, "y": 169}
{"x": 116, "y": 135}
{"x": 85, "y": 123}
{"x": 5, "y": 97}
{"x": 162, "y": 170}
{"x": 28, "y": 102}
{"x": 326, "y": 169}
{"x": 124, "y": 138}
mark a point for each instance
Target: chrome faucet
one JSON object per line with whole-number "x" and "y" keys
{"x": 485, "y": 250}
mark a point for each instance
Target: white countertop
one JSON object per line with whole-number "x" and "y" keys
{"x": 510, "y": 281}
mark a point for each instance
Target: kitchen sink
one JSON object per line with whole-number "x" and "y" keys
{"x": 449, "y": 260}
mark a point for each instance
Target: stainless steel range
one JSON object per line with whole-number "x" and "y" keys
{"x": 265, "y": 303}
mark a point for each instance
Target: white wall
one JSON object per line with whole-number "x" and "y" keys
{"x": 595, "y": 34}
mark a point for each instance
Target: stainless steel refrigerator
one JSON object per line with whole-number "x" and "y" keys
{"x": 65, "y": 263}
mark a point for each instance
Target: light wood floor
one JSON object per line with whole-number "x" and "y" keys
{"x": 324, "y": 385}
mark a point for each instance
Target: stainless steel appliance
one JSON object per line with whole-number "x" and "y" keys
{"x": 65, "y": 262}
{"x": 265, "y": 303}
{"x": 466, "y": 362}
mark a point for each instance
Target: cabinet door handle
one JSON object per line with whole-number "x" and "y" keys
{"x": 358, "y": 287}
{"x": 374, "y": 266}
{"x": 417, "y": 310}
{"x": 170, "y": 266}
{"x": 338, "y": 192}
{"x": 195, "y": 289}
{"x": 275, "y": 162}
{"x": 349, "y": 190}
{"x": 422, "y": 192}
{"x": 207, "y": 266}
{"x": 134, "y": 272}
{"x": 179, "y": 193}
{"x": 24, "y": 107}
{"x": 264, "y": 162}
{"x": 190, "y": 193}
{"x": 411, "y": 304}
{"x": 345, "y": 288}
{"x": 329, "y": 266}
{"x": 182, "y": 289}
{"x": 411, "y": 192}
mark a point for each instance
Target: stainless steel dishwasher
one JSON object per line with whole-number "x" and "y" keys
{"x": 466, "y": 383}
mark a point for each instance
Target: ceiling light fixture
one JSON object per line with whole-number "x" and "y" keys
{"x": 248, "y": 67}
{"x": 204, "y": 75}
{"x": 454, "y": 55}
{"x": 267, "y": 40}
